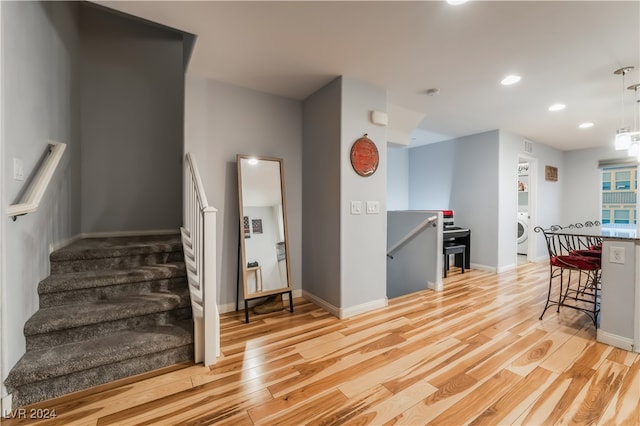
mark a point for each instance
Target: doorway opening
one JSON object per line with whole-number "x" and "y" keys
{"x": 526, "y": 183}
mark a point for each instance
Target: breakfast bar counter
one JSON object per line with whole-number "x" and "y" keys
{"x": 620, "y": 295}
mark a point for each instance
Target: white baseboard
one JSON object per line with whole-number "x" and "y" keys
{"x": 510, "y": 267}
{"x": 231, "y": 307}
{"x": 321, "y": 303}
{"x": 6, "y": 405}
{"x": 56, "y": 245}
{"x": 483, "y": 267}
{"x": 362, "y": 308}
{"x": 343, "y": 313}
{"x": 434, "y": 286}
{"x": 541, "y": 259}
{"x": 615, "y": 340}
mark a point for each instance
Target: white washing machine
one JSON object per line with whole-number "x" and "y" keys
{"x": 523, "y": 232}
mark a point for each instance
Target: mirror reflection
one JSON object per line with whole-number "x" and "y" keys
{"x": 263, "y": 226}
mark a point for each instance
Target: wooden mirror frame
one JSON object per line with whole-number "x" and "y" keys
{"x": 248, "y": 293}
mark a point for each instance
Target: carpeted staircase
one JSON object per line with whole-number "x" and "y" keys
{"x": 111, "y": 308}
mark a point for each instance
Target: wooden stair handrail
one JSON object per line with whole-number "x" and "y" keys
{"x": 40, "y": 182}
{"x": 415, "y": 231}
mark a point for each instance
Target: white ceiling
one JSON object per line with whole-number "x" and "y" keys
{"x": 565, "y": 52}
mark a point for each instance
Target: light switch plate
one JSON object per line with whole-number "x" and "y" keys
{"x": 356, "y": 207}
{"x": 616, "y": 255}
{"x": 373, "y": 207}
{"x": 18, "y": 169}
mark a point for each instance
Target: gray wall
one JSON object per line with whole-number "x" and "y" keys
{"x": 343, "y": 254}
{"x": 618, "y": 296}
{"x": 397, "y": 178}
{"x": 40, "y": 81}
{"x": 431, "y": 171}
{"x": 461, "y": 174}
{"x": 476, "y": 176}
{"x": 363, "y": 237}
{"x": 452, "y": 174}
{"x": 66, "y": 69}
{"x": 416, "y": 265}
{"x": 132, "y": 121}
{"x": 475, "y": 198}
{"x": 321, "y": 204}
{"x": 222, "y": 121}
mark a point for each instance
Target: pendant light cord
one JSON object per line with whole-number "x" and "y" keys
{"x": 624, "y": 72}
{"x": 636, "y": 108}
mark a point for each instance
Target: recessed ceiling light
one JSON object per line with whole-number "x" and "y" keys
{"x": 510, "y": 79}
{"x": 253, "y": 161}
{"x": 586, "y": 125}
{"x": 557, "y": 107}
{"x": 456, "y": 2}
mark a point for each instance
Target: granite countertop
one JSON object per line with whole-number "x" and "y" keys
{"x": 607, "y": 231}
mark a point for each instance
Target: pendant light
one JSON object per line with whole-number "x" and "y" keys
{"x": 623, "y": 137}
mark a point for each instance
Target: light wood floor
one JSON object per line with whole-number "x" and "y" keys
{"x": 475, "y": 353}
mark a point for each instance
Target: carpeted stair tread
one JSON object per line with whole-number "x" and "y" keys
{"x": 96, "y": 248}
{"x": 101, "y": 278}
{"x": 81, "y": 314}
{"x": 65, "y": 359}
{"x": 111, "y": 308}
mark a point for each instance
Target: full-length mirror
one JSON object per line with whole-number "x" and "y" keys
{"x": 263, "y": 227}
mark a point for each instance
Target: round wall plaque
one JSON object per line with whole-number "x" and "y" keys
{"x": 364, "y": 156}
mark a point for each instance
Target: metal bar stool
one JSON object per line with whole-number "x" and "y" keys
{"x": 453, "y": 248}
{"x": 568, "y": 257}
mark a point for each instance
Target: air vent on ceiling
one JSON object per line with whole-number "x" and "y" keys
{"x": 528, "y": 146}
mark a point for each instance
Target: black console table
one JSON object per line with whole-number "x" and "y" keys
{"x": 458, "y": 235}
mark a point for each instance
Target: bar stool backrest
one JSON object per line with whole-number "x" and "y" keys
{"x": 566, "y": 244}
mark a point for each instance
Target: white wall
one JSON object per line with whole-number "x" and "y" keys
{"x": 2, "y": 204}
{"x": 132, "y": 124}
{"x": 508, "y": 200}
{"x": 546, "y": 197}
{"x": 363, "y": 237}
{"x": 549, "y": 195}
{"x": 582, "y": 183}
{"x": 222, "y": 121}
{"x": 40, "y": 95}
{"x": 397, "y": 178}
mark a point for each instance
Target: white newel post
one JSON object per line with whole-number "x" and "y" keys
{"x": 199, "y": 243}
{"x": 211, "y": 315}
